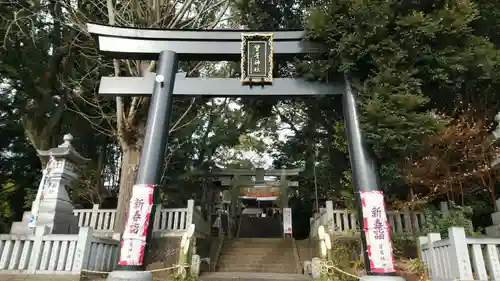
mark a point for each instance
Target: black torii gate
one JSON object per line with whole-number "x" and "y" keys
{"x": 257, "y": 50}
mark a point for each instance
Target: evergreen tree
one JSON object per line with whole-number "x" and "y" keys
{"x": 407, "y": 60}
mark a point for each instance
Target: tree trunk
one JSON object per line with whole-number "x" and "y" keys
{"x": 130, "y": 164}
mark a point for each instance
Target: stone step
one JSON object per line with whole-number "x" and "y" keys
{"x": 289, "y": 268}
{"x": 260, "y": 264}
{"x": 255, "y": 261}
{"x": 259, "y": 246}
{"x": 249, "y": 249}
{"x": 261, "y": 240}
{"x": 258, "y": 255}
{"x": 257, "y": 269}
{"x": 252, "y": 276}
{"x": 245, "y": 258}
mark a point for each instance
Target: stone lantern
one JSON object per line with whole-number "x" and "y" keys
{"x": 53, "y": 209}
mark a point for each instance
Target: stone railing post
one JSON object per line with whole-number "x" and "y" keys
{"x": 329, "y": 216}
{"x": 93, "y": 216}
{"x": 36, "y": 250}
{"x": 82, "y": 250}
{"x": 156, "y": 223}
{"x": 408, "y": 226}
{"x": 434, "y": 261}
{"x": 443, "y": 207}
{"x": 195, "y": 265}
{"x": 421, "y": 240}
{"x": 459, "y": 254}
{"x": 190, "y": 213}
{"x": 494, "y": 229}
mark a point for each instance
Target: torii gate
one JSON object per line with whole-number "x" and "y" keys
{"x": 232, "y": 178}
{"x": 257, "y": 50}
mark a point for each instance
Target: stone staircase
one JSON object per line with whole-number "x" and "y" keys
{"x": 268, "y": 255}
{"x": 254, "y": 259}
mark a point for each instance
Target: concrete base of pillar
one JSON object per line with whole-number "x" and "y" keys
{"x": 123, "y": 275}
{"x": 381, "y": 278}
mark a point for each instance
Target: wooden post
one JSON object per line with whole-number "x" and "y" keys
{"x": 459, "y": 254}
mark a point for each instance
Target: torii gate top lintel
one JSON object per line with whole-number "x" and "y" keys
{"x": 191, "y": 45}
{"x": 254, "y": 172}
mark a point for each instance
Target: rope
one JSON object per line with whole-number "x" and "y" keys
{"x": 181, "y": 268}
{"x": 328, "y": 268}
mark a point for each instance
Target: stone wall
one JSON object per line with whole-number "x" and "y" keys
{"x": 306, "y": 249}
{"x": 164, "y": 252}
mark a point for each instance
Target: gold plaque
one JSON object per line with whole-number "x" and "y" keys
{"x": 257, "y": 58}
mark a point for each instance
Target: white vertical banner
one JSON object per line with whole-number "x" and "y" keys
{"x": 136, "y": 228}
{"x": 44, "y": 183}
{"x": 287, "y": 221}
{"x": 377, "y": 232}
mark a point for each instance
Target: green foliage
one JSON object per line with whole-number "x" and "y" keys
{"x": 407, "y": 61}
{"x": 403, "y": 246}
{"x": 416, "y": 266}
{"x": 438, "y": 222}
{"x": 268, "y": 14}
{"x": 188, "y": 278}
{"x": 488, "y": 23}
{"x": 347, "y": 190}
{"x": 345, "y": 256}
{"x": 7, "y": 191}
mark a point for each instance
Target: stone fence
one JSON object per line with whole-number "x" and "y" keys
{"x": 460, "y": 257}
{"x": 61, "y": 254}
{"x": 343, "y": 221}
{"x": 69, "y": 254}
{"x": 167, "y": 222}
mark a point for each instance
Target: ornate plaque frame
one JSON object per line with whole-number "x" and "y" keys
{"x": 265, "y": 74}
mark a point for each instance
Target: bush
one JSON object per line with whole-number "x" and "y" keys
{"x": 458, "y": 216}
